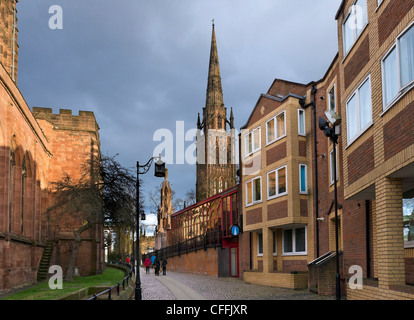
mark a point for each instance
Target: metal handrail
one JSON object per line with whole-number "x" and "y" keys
{"x": 117, "y": 286}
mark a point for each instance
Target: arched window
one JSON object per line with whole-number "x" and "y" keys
{"x": 24, "y": 175}
{"x": 11, "y": 185}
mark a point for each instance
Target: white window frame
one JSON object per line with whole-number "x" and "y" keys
{"x": 360, "y": 130}
{"x": 401, "y": 89}
{"x": 352, "y": 11}
{"x": 259, "y": 234}
{"x": 277, "y": 194}
{"x": 294, "y": 252}
{"x": 329, "y": 98}
{"x": 304, "y": 122}
{"x": 331, "y": 180}
{"x": 300, "y": 178}
{"x": 253, "y": 190}
{"x": 274, "y": 243}
{"x": 246, "y": 140}
{"x": 275, "y": 128}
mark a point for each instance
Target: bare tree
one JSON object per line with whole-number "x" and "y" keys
{"x": 104, "y": 194}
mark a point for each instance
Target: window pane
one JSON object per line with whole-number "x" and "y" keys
{"x": 365, "y": 112}
{"x": 274, "y": 242}
{"x": 390, "y": 77}
{"x": 281, "y": 174}
{"x": 287, "y": 240}
{"x": 300, "y": 239}
{"x": 332, "y": 99}
{"x": 272, "y": 184}
{"x": 349, "y": 32}
{"x": 270, "y": 129}
{"x": 257, "y": 194}
{"x": 260, "y": 243}
{"x": 256, "y": 137}
{"x": 302, "y": 178}
{"x": 361, "y": 15}
{"x": 352, "y": 125}
{"x": 301, "y": 122}
{"x": 249, "y": 143}
{"x": 407, "y": 57}
{"x": 280, "y": 119}
{"x": 249, "y": 192}
{"x": 408, "y": 217}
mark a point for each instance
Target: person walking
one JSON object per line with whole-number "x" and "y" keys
{"x": 147, "y": 264}
{"x": 157, "y": 267}
{"x": 164, "y": 266}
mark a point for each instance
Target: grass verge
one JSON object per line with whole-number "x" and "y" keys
{"x": 41, "y": 291}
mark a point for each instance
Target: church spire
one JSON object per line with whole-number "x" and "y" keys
{"x": 214, "y": 90}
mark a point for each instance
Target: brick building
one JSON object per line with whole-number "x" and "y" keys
{"x": 37, "y": 148}
{"x": 369, "y": 84}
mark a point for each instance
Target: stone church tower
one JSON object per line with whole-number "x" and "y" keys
{"x": 216, "y": 169}
{"x": 8, "y": 37}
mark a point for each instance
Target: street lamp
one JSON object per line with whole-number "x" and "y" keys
{"x": 159, "y": 172}
{"x": 333, "y": 132}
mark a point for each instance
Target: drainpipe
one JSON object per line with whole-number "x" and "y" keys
{"x": 367, "y": 238}
{"x": 313, "y": 104}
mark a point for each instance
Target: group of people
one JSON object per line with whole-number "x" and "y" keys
{"x": 156, "y": 264}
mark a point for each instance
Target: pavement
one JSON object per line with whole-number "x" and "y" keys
{"x": 185, "y": 286}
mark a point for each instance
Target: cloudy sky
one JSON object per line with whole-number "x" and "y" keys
{"x": 141, "y": 65}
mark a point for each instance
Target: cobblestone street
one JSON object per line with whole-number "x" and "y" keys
{"x": 184, "y": 286}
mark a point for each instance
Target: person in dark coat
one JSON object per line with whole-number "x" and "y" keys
{"x": 164, "y": 266}
{"x": 157, "y": 267}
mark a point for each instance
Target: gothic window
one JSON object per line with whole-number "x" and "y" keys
{"x": 24, "y": 176}
{"x": 219, "y": 123}
{"x": 11, "y": 186}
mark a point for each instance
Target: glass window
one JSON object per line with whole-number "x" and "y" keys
{"x": 276, "y": 182}
{"x": 287, "y": 241}
{"x": 331, "y": 94}
{"x": 408, "y": 217}
{"x": 303, "y": 188}
{"x": 252, "y": 141}
{"x": 270, "y": 127}
{"x": 359, "y": 110}
{"x": 294, "y": 241}
{"x": 253, "y": 191}
{"x": 391, "y": 84}
{"x": 301, "y": 122}
{"x": 274, "y": 242}
{"x": 271, "y": 184}
{"x": 354, "y": 24}
{"x": 398, "y": 67}
{"x": 275, "y": 128}
{"x": 260, "y": 244}
{"x": 332, "y": 162}
{"x": 406, "y": 43}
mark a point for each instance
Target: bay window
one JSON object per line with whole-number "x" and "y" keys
{"x": 275, "y": 128}
{"x": 294, "y": 241}
{"x": 355, "y": 22}
{"x": 276, "y": 183}
{"x": 252, "y": 141}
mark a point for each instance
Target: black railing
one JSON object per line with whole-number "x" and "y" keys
{"x": 211, "y": 239}
{"x": 117, "y": 287}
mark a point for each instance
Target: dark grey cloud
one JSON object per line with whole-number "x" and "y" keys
{"x": 142, "y": 65}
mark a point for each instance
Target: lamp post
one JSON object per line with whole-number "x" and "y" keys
{"x": 159, "y": 172}
{"x": 333, "y": 133}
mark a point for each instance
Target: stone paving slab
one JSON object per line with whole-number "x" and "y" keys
{"x": 179, "y": 286}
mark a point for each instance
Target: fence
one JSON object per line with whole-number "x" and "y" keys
{"x": 116, "y": 287}
{"x": 202, "y": 242}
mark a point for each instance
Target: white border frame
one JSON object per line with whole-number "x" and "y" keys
{"x": 306, "y": 178}
{"x": 294, "y": 252}
{"x": 300, "y": 110}
{"x": 261, "y": 189}
{"x": 275, "y": 127}
{"x": 277, "y": 195}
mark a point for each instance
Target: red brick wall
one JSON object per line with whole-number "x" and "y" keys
{"x": 276, "y": 153}
{"x": 277, "y": 210}
{"x": 391, "y": 17}
{"x": 398, "y": 133}
{"x": 357, "y": 62}
{"x": 361, "y": 160}
{"x": 254, "y": 216}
